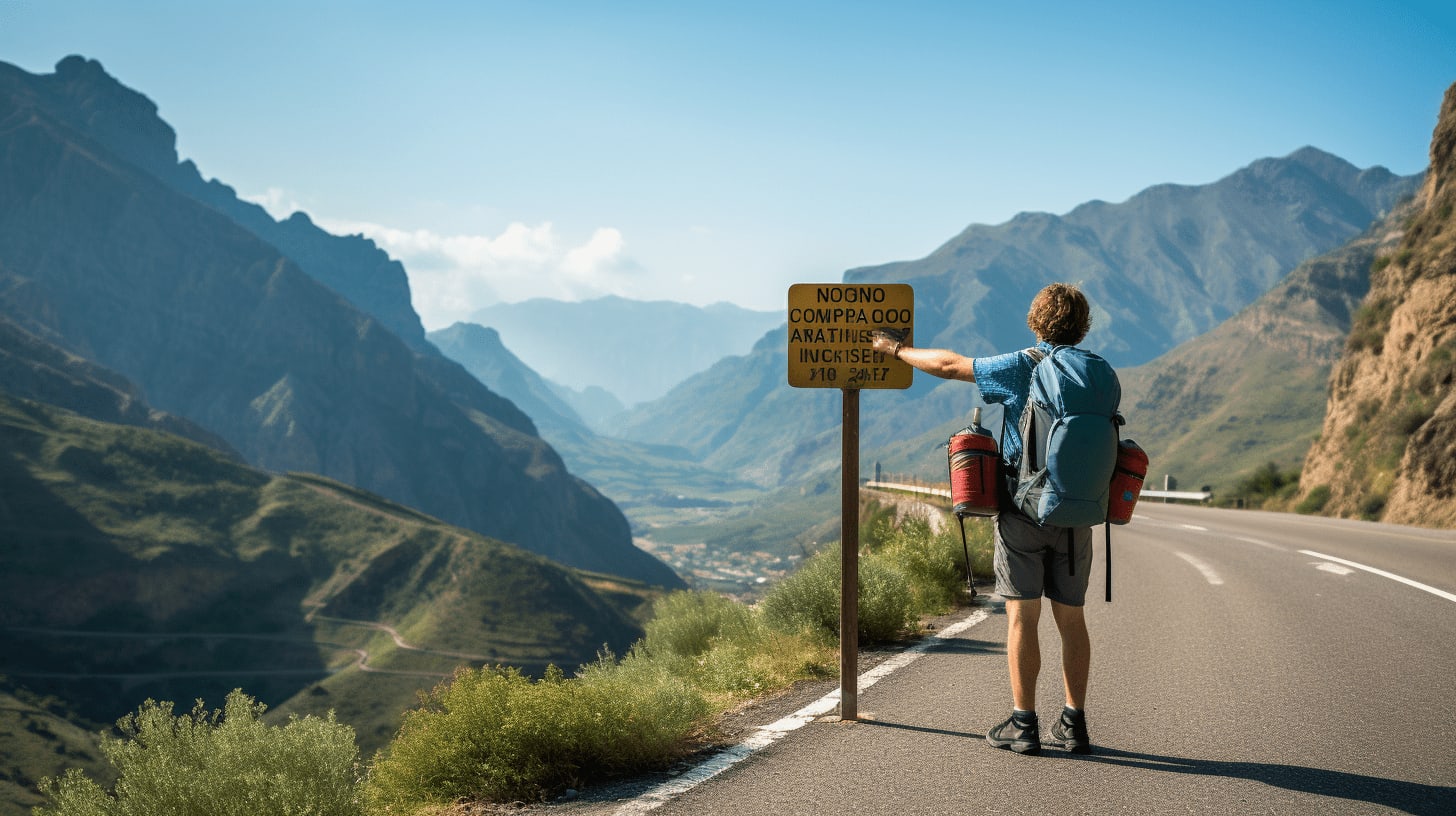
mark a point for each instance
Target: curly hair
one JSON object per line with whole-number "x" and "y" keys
{"x": 1060, "y": 315}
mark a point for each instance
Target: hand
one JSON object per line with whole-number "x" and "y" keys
{"x": 885, "y": 344}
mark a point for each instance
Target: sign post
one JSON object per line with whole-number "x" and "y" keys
{"x": 831, "y": 332}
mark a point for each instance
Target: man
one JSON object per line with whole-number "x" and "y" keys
{"x": 1031, "y": 560}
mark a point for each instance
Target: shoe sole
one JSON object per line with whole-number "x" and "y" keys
{"x": 1016, "y": 746}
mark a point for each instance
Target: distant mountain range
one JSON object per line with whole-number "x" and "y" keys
{"x": 110, "y": 252}
{"x": 1161, "y": 268}
{"x": 603, "y": 342}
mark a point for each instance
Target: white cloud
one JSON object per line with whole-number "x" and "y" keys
{"x": 278, "y": 202}
{"x": 453, "y": 275}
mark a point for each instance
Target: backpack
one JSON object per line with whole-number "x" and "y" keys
{"x": 1069, "y": 438}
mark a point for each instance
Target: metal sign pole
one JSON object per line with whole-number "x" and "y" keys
{"x": 849, "y": 561}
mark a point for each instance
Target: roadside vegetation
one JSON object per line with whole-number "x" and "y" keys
{"x": 496, "y": 735}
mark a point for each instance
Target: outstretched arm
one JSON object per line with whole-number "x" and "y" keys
{"x": 941, "y": 363}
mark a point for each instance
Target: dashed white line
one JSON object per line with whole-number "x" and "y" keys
{"x": 1440, "y": 593}
{"x": 768, "y": 734}
{"x": 1194, "y": 527}
{"x": 1260, "y": 542}
{"x": 1208, "y": 572}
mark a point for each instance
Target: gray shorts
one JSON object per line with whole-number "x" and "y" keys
{"x": 1032, "y": 561}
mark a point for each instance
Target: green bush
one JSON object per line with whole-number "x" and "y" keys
{"x": 808, "y": 600}
{"x": 223, "y": 763}
{"x": 935, "y": 563}
{"x": 495, "y": 735}
{"x": 686, "y": 623}
{"x": 1315, "y": 501}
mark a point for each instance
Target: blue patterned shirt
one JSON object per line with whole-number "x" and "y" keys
{"x": 1006, "y": 379}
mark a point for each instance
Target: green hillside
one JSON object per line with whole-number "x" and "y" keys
{"x": 1253, "y": 390}
{"x": 140, "y": 565}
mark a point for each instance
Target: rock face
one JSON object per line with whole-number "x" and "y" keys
{"x": 215, "y": 324}
{"x": 1388, "y": 446}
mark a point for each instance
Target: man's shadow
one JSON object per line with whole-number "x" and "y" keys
{"x": 1409, "y": 797}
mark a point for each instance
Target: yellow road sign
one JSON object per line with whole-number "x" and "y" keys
{"x": 831, "y": 329}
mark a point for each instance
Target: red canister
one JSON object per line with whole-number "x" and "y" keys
{"x": 974, "y": 467}
{"x": 1127, "y": 481}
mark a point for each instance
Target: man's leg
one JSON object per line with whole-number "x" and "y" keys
{"x": 1070, "y": 729}
{"x": 1023, "y": 650}
{"x": 1076, "y": 651}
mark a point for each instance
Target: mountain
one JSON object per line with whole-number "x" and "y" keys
{"x": 481, "y": 352}
{"x": 1253, "y": 390}
{"x": 1162, "y": 268}
{"x": 34, "y": 369}
{"x": 641, "y": 477}
{"x": 214, "y": 324}
{"x": 89, "y": 101}
{"x": 137, "y": 564}
{"x": 1388, "y": 446}
{"x": 600, "y": 342}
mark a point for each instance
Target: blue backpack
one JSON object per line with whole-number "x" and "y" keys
{"x": 1069, "y": 435}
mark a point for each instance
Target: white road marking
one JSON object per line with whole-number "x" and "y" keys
{"x": 1194, "y": 527}
{"x": 1326, "y": 566}
{"x": 1208, "y": 573}
{"x": 1382, "y": 573}
{"x": 1260, "y": 542}
{"x": 768, "y": 734}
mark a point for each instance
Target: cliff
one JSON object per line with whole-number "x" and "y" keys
{"x": 1388, "y": 446}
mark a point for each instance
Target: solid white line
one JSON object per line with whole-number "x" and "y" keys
{"x": 1208, "y": 573}
{"x": 768, "y": 734}
{"x": 1382, "y": 573}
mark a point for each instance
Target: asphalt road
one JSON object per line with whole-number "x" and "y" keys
{"x": 1232, "y": 673}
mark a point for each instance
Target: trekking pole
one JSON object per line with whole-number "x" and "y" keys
{"x": 966, "y": 548}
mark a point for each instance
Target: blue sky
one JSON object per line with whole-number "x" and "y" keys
{"x": 722, "y": 151}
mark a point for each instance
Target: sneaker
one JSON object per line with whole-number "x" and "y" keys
{"x": 1070, "y": 732}
{"x": 1023, "y": 739}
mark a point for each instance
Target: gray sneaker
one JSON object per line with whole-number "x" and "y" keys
{"x": 1023, "y": 739}
{"x": 1070, "y": 732}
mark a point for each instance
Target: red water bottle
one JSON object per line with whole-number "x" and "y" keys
{"x": 1127, "y": 481}
{"x": 974, "y": 467}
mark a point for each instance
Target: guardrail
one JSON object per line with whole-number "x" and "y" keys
{"x": 1184, "y": 495}
{"x": 944, "y": 492}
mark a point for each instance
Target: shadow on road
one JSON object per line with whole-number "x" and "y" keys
{"x": 1410, "y": 797}
{"x": 959, "y": 645}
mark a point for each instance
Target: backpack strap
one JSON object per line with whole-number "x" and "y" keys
{"x": 1117, "y": 422}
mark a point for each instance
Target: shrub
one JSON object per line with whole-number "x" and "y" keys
{"x": 686, "y": 623}
{"x": 808, "y": 600}
{"x": 935, "y": 563}
{"x": 223, "y": 763}
{"x": 1266, "y": 482}
{"x": 1315, "y": 501}
{"x": 1372, "y": 506}
{"x": 495, "y": 735}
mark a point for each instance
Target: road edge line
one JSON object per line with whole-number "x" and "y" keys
{"x": 1382, "y": 573}
{"x": 766, "y": 735}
